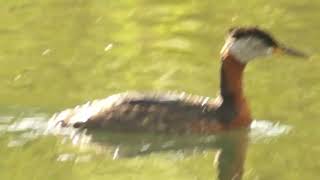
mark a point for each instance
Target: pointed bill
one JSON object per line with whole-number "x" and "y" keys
{"x": 289, "y": 51}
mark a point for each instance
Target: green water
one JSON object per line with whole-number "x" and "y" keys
{"x": 55, "y": 54}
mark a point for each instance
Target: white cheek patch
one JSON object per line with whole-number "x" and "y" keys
{"x": 246, "y": 49}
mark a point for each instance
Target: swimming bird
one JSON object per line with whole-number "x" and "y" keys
{"x": 180, "y": 112}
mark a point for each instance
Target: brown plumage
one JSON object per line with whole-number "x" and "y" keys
{"x": 179, "y": 112}
{"x": 153, "y": 112}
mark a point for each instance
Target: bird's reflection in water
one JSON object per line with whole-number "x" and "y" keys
{"x": 232, "y": 154}
{"x": 230, "y": 146}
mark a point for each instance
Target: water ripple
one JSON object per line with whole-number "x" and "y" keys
{"x": 262, "y": 129}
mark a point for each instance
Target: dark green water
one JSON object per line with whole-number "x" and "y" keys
{"x": 58, "y": 53}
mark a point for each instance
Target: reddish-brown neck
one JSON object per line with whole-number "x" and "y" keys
{"x": 232, "y": 92}
{"x": 231, "y": 77}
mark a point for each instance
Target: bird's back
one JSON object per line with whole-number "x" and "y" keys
{"x": 140, "y": 112}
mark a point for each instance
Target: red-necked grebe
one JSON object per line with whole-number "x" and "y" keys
{"x": 180, "y": 112}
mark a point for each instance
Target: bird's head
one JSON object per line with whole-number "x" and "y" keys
{"x": 247, "y": 43}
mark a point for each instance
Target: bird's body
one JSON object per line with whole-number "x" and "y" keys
{"x": 167, "y": 112}
{"x": 145, "y": 112}
{"x": 179, "y": 112}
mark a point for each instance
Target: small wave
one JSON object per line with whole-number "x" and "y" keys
{"x": 265, "y": 129}
{"x": 22, "y": 128}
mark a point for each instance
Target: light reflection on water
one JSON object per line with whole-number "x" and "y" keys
{"x": 264, "y": 129}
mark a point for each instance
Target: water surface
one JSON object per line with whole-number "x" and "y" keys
{"x": 55, "y": 54}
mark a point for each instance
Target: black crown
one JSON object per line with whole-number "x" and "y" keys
{"x": 244, "y": 32}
